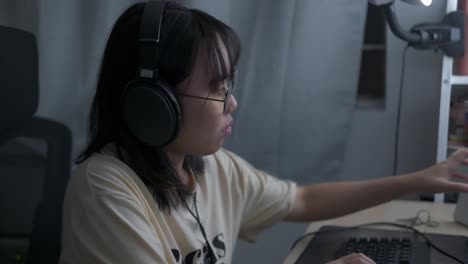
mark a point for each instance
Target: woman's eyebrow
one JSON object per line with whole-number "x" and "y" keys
{"x": 216, "y": 81}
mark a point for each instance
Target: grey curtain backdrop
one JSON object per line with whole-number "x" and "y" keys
{"x": 296, "y": 90}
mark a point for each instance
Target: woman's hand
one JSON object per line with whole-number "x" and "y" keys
{"x": 355, "y": 258}
{"x": 445, "y": 176}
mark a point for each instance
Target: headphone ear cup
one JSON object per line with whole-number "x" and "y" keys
{"x": 152, "y": 113}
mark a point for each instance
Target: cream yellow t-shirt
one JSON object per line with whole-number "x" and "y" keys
{"x": 110, "y": 216}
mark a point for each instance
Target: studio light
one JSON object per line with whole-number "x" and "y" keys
{"x": 447, "y": 35}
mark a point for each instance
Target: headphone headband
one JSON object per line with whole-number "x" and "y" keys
{"x": 151, "y": 110}
{"x": 149, "y": 39}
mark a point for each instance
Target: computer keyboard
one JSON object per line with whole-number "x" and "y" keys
{"x": 383, "y": 250}
{"x": 383, "y": 246}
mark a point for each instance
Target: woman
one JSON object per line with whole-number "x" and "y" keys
{"x": 184, "y": 199}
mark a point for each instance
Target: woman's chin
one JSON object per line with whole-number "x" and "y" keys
{"x": 213, "y": 149}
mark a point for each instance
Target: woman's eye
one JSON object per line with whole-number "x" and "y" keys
{"x": 221, "y": 90}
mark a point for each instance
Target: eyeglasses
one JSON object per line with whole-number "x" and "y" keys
{"x": 227, "y": 95}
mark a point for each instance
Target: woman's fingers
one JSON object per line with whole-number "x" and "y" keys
{"x": 460, "y": 155}
{"x": 457, "y": 187}
{"x": 459, "y": 176}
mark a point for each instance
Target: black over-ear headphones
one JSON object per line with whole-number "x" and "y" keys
{"x": 150, "y": 107}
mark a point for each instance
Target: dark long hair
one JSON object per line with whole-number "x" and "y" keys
{"x": 183, "y": 32}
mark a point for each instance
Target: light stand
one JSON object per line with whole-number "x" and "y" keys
{"x": 447, "y": 35}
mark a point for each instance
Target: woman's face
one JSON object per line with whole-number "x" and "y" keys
{"x": 204, "y": 124}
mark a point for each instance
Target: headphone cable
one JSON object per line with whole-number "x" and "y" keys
{"x": 399, "y": 106}
{"x": 202, "y": 229}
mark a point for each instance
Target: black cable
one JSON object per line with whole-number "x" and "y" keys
{"x": 397, "y": 129}
{"x": 202, "y": 229}
{"x": 428, "y": 241}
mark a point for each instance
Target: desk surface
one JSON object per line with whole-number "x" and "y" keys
{"x": 390, "y": 212}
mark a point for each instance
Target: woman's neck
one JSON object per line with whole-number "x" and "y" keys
{"x": 186, "y": 177}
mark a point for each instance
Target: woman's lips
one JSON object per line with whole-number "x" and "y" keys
{"x": 228, "y": 129}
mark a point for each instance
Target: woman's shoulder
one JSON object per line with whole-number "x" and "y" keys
{"x": 104, "y": 173}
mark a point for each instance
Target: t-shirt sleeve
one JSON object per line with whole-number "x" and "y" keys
{"x": 267, "y": 199}
{"x": 103, "y": 223}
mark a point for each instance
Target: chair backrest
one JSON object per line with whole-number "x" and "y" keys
{"x": 19, "y": 81}
{"x": 45, "y": 242}
{"x": 19, "y": 96}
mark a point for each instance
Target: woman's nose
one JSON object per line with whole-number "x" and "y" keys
{"x": 232, "y": 104}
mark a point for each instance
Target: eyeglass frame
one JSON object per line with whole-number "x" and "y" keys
{"x": 226, "y": 100}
